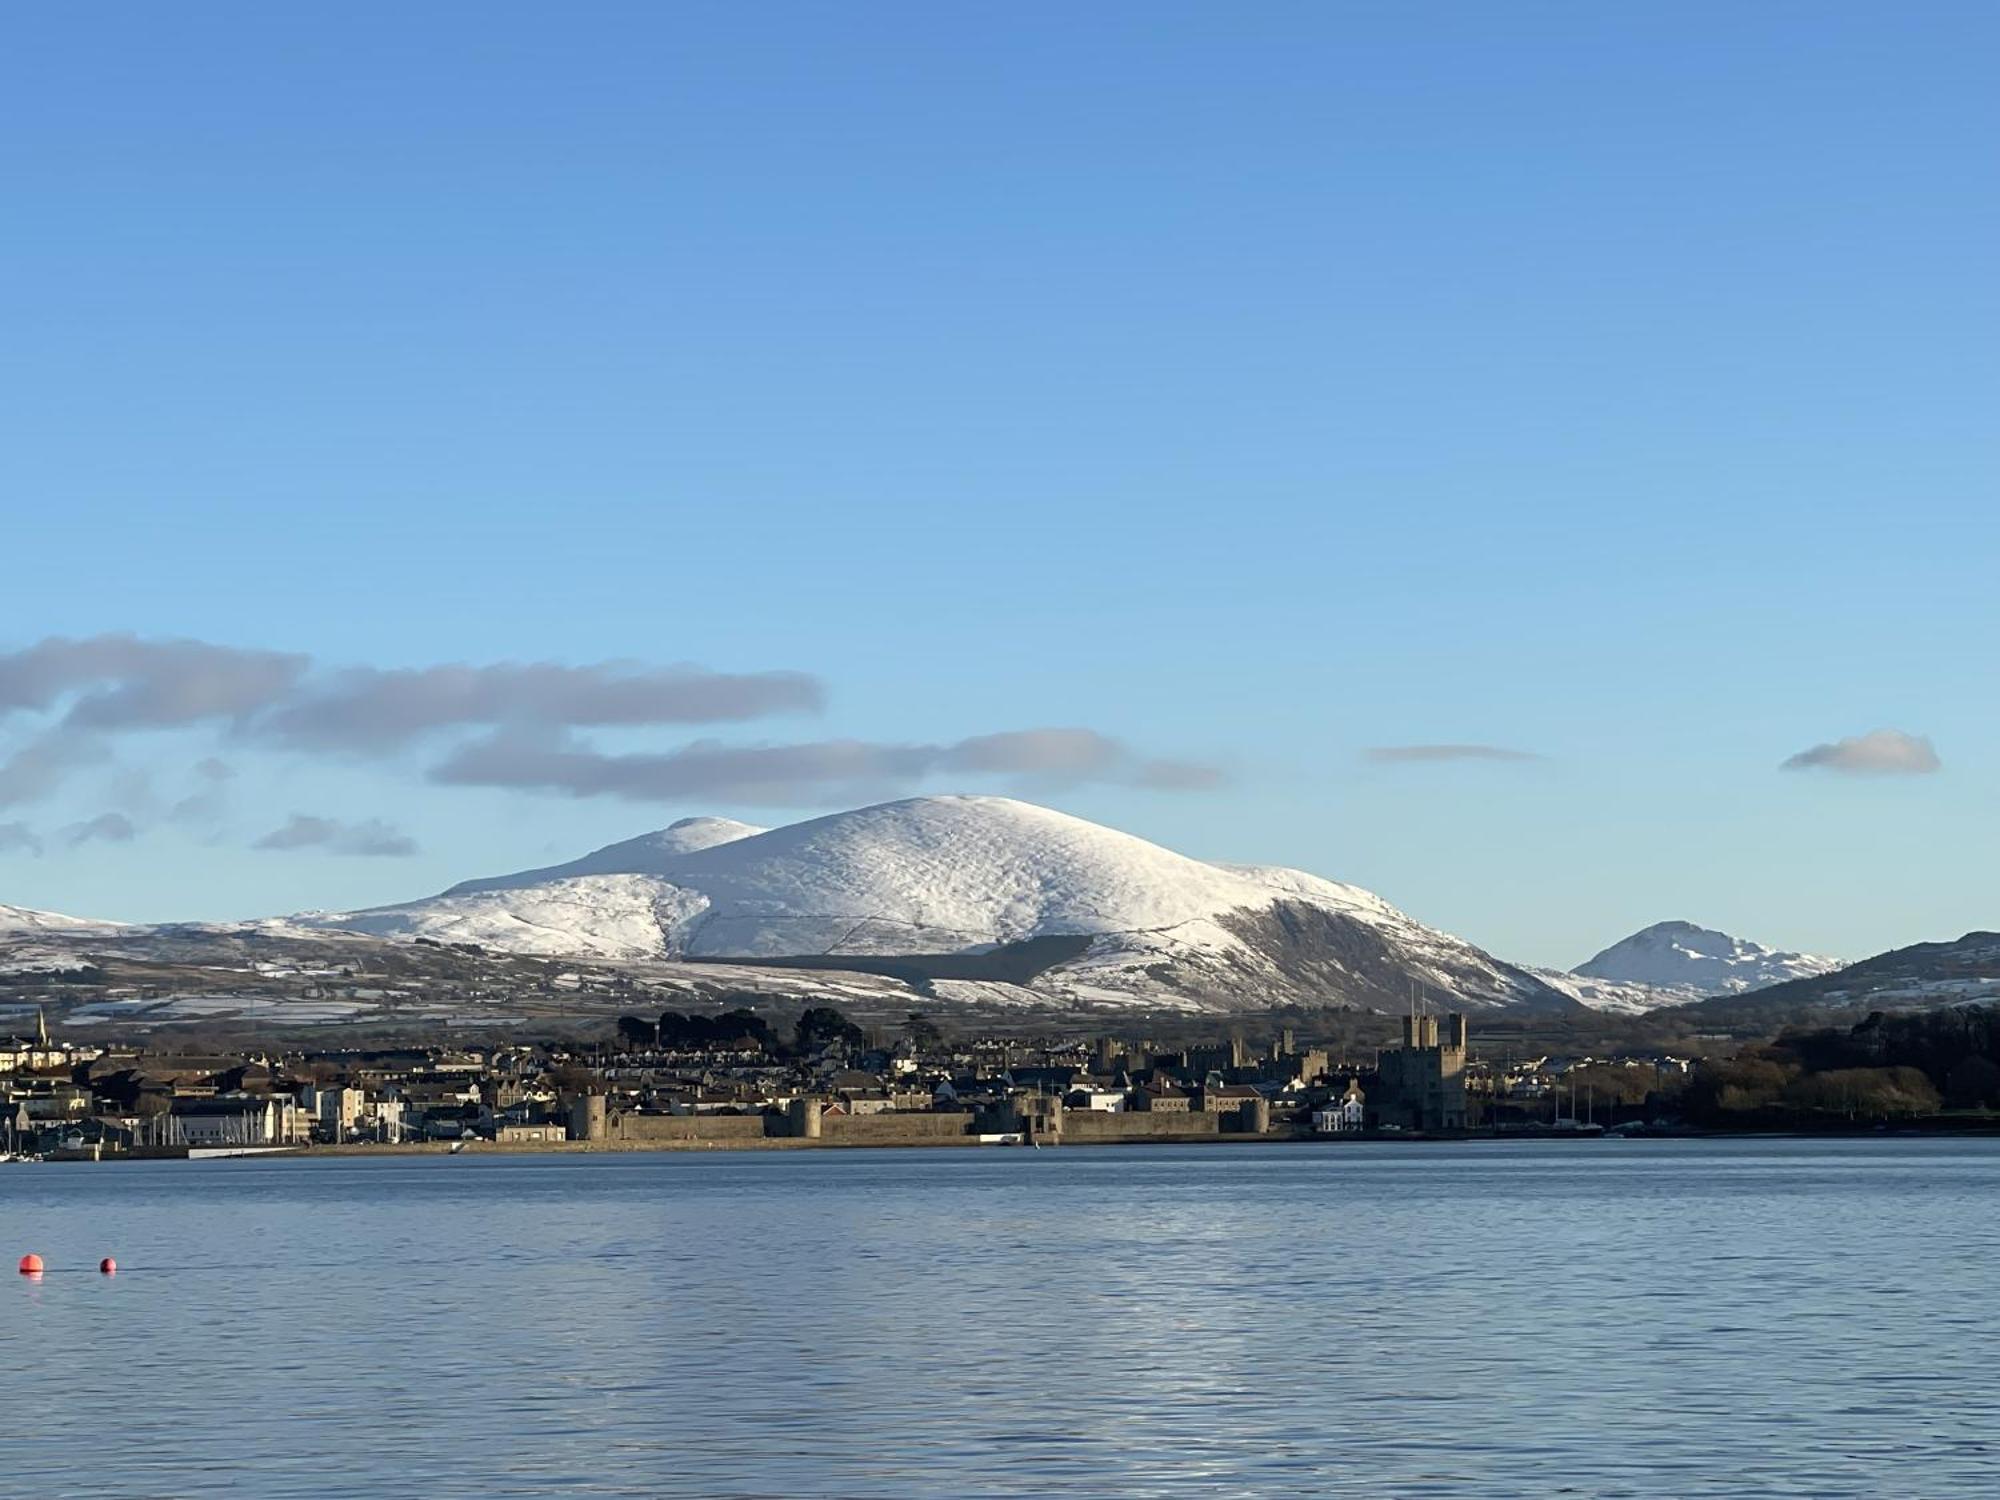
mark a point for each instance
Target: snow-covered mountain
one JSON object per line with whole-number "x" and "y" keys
{"x": 1003, "y": 903}
{"x": 1677, "y": 962}
{"x": 17, "y": 921}
{"x": 967, "y": 876}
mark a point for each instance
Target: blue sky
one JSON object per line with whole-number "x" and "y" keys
{"x": 1250, "y": 386}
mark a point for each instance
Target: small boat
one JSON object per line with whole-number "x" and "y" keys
{"x": 456, "y": 1147}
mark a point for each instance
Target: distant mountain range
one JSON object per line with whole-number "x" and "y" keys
{"x": 981, "y": 901}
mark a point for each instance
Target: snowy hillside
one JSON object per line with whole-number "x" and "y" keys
{"x": 1686, "y": 962}
{"x": 17, "y": 921}
{"x": 648, "y": 854}
{"x": 605, "y": 916}
{"x": 38, "y": 941}
{"x": 1613, "y": 996}
{"x": 967, "y": 875}
{"x": 1965, "y": 971}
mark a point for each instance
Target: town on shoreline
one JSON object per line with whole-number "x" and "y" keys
{"x": 744, "y": 1079}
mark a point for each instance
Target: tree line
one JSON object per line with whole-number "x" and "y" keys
{"x": 741, "y": 1030}
{"x": 1886, "y": 1067}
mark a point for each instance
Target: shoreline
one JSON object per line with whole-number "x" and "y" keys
{"x": 484, "y": 1148}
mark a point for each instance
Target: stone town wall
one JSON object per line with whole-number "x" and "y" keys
{"x": 635, "y": 1127}
{"x": 835, "y": 1130}
{"x": 1138, "y": 1125}
{"x": 893, "y": 1129}
{"x": 1084, "y": 1127}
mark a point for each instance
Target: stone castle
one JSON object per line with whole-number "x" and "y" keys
{"x": 1421, "y": 1085}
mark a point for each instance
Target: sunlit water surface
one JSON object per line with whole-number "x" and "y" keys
{"x": 1592, "y": 1318}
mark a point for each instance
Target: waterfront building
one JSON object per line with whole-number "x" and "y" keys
{"x": 230, "y": 1120}
{"x": 1160, "y": 1097}
{"x": 1108, "y": 1101}
{"x": 1345, "y": 1112}
{"x": 335, "y": 1111}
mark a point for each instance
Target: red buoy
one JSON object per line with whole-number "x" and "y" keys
{"x": 31, "y": 1265}
{"x": 108, "y": 1266}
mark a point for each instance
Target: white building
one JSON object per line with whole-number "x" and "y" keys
{"x": 231, "y": 1120}
{"x": 1342, "y": 1114}
{"x": 1104, "y": 1101}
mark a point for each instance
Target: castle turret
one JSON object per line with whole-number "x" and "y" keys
{"x": 803, "y": 1119}
{"x": 588, "y": 1118}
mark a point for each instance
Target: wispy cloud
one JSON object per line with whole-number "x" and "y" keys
{"x": 19, "y": 838}
{"x": 105, "y": 828}
{"x": 41, "y": 764}
{"x": 1179, "y": 776}
{"x": 1880, "y": 752}
{"x": 124, "y": 682}
{"x": 1389, "y": 755}
{"x": 204, "y": 806}
{"x": 807, "y": 774}
{"x": 372, "y": 837}
{"x": 369, "y": 710}
{"x": 108, "y": 683}
{"x": 504, "y": 724}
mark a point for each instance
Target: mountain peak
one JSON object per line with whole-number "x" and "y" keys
{"x": 1678, "y": 928}
{"x": 648, "y": 854}
{"x": 685, "y": 835}
{"x": 1686, "y": 956}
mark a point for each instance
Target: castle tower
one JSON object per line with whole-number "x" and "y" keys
{"x": 589, "y": 1118}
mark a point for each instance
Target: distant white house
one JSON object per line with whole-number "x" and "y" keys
{"x": 1347, "y": 1112}
{"x": 1104, "y": 1101}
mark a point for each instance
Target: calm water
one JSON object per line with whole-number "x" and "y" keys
{"x": 1598, "y": 1318}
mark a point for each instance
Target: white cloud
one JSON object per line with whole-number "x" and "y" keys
{"x": 1880, "y": 752}
{"x": 371, "y": 837}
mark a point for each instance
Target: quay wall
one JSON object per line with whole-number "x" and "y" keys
{"x": 635, "y": 1128}
{"x": 601, "y": 1129}
{"x": 833, "y": 1130}
{"x": 1138, "y": 1125}
{"x": 893, "y": 1129}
